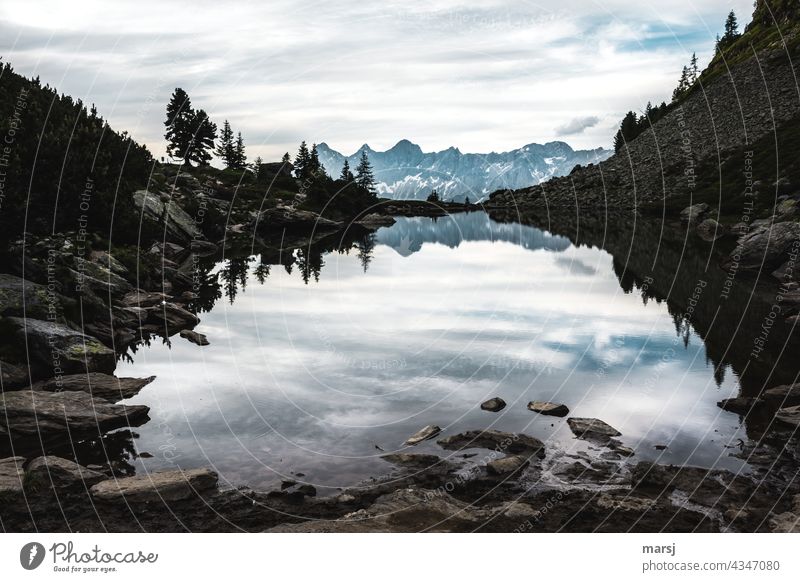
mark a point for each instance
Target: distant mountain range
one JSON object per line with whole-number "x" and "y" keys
{"x": 405, "y": 171}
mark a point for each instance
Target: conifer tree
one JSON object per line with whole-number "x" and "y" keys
{"x": 287, "y": 159}
{"x": 364, "y": 177}
{"x": 314, "y": 165}
{"x": 346, "y": 175}
{"x": 694, "y": 69}
{"x": 731, "y": 29}
{"x": 225, "y": 149}
{"x": 683, "y": 85}
{"x": 301, "y": 161}
{"x": 179, "y": 133}
{"x": 203, "y": 143}
{"x": 239, "y": 157}
{"x": 256, "y": 167}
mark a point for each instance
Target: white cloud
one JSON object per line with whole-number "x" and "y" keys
{"x": 577, "y": 125}
{"x": 438, "y": 72}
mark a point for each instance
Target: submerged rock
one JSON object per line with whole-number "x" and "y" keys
{"x": 97, "y": 384}
{"x": 507, "y": 465}
{"x": 784, "y": 395}
{"x": 423, "y": 434}
{"x": 765, "y": 245}
{"x": 592, "y": 428}
{"x": 495, "y": 440}
{"x": 61, "y": 472}
{"x": 163, "y": 486}
{"x": 548, "y": 408}
{"x": 415, "y": 461}
{"x": 195, "y": 337}
{"x": 55, "y": 346}
{"x": 741, "y": 405}
{"x": 45, "y": 414}
{"x": 494, "y": 405}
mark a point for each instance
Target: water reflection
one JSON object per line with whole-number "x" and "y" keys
{"x": 323, "y": 365}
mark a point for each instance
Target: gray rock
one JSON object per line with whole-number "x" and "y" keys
{"x": 767, "y": 245}
{"x": 19, "y": 297}
{"x": 548, "y": 408}
{"x": 195, "y": 337}
{"x": 12, "y": 376}
{"x": 423, "y": 434}
{"x": 496, "y": 440}
{"x": 202, "y": 248}
{"x": 784, "y": 395}
{"x": 695, "y": 213}
{"x": 789, "y": 415}
{"x": 285, "y": 217}
{"x": 54, "y": 346}
{"x": 45, "y": 414}
{"x": 507, "y": 465}
{"x": 11, "y": 478}
{"x": 100, "y": 279}
{"x": 97, "y": 384}
{"x": 376, "y": 220}
{"x": 741, "y": 405}
{"x": 171, "y": 318}
{"x": 494, "y": 405}
{"x": 592, "y": 428}
{"x": 414, "y": 461}
{"x": 710, "y": 230}
{"x": 62, "y": 472}
{"x": 179, "y": 225}
{"x": 139, "y": 298}
{"x": 105, "y": 260}
{"x": 164, "y": 487}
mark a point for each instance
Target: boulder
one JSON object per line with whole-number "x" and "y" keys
{"x": 507, "y": 465}
{"x": 286, "y": 217}
{"x": 695, "y": 213}
{"x": 195, "y": 337}
{"x": 415, "y": 461}
{"x": 496, "y": 440}
{"x": 12, "y": 376}
{"x": 769, "y": 245}
{"x": 376, "y": 220}
{"x": 61, "y": 473}
{"x": 789, "y": 415}
{"x": 785, "y": 395}
{"x": 167, "y": 486}
{"x": 11, "y": 477}
{"x": 105, "y": 260}
{"x": 97, "y": 384}
{"x": 19, "y": 297}
{"x": 741, "y": 405}
{"x": 710, "y": 230}
{"x": 202, "y": 248}
{"x": 179, "y": 225}
{"x": 548, "y": 408}
{"x": 423, "y": 434}
{"x": 139, "y": 298}
{"x": 45, "y": 414}
{"x": 494, "y": 405}
{"x": 53, "y": 346}
{"x": 592, "y": 428}
{"x": 99, "y": 279}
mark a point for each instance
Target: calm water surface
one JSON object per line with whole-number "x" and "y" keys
{"x": 319, "y": 378}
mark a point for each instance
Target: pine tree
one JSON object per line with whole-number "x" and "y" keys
{"x": 628, "y": 130}
{"x": 346, "y": 175}
{"x": 179, "y": 133}
{"x": 433, "y": 196}
{"x": 314, "y": 166}
{"x": 225, "y": 150}
{"x": 731, "y": 29}
{"x": 239, "y": 157}
{"x": 287, "y": 159}
{"x": 364, "y": 177}
{"x": 257, "y": 166}
{"x": 683, "y": 85}
{"x": 694, "y": 69}
{"x": 203, "y": 143}
{"x": 301, "y": 162}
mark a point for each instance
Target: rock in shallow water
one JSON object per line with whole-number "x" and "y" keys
{"x": 423, "y": 434}
{"x": 97, "y": 384}
{"x": 507, "y": 465}
{"x": 495, "y": 440}
{"x": 194, "y": 337}
{"x": 592, "y": 428}
{"x": 166, "y": 486}
{"x": 494, "y": 405}
{"x": 789, "y": 415}
{"x": 548, "y": 408}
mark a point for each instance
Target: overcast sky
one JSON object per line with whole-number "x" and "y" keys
{"x": 438, "y": 72}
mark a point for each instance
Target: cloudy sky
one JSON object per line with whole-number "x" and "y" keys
{"x": 438, "y": 72}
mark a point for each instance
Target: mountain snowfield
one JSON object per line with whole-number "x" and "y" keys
{"x": 405, "y": 171}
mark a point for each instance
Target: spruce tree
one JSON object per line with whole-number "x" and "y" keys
{"x": 301, "y": 162}
{"x": 225, "y": 149}
{"x": 239, "y": 157}
{"x": 694, "y": 68}
{"x": 364, "y": 177}
{"x": 203, "y": 143}
{"x": 731, "y": 29}
{"x": 346, "y": 175}
{"x": 179, "y": 133}
{"x": 257, "y": 166}
{"x": 683, "y": 85}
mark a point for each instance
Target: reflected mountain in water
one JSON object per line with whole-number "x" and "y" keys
{"x": 409, "y": 234}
